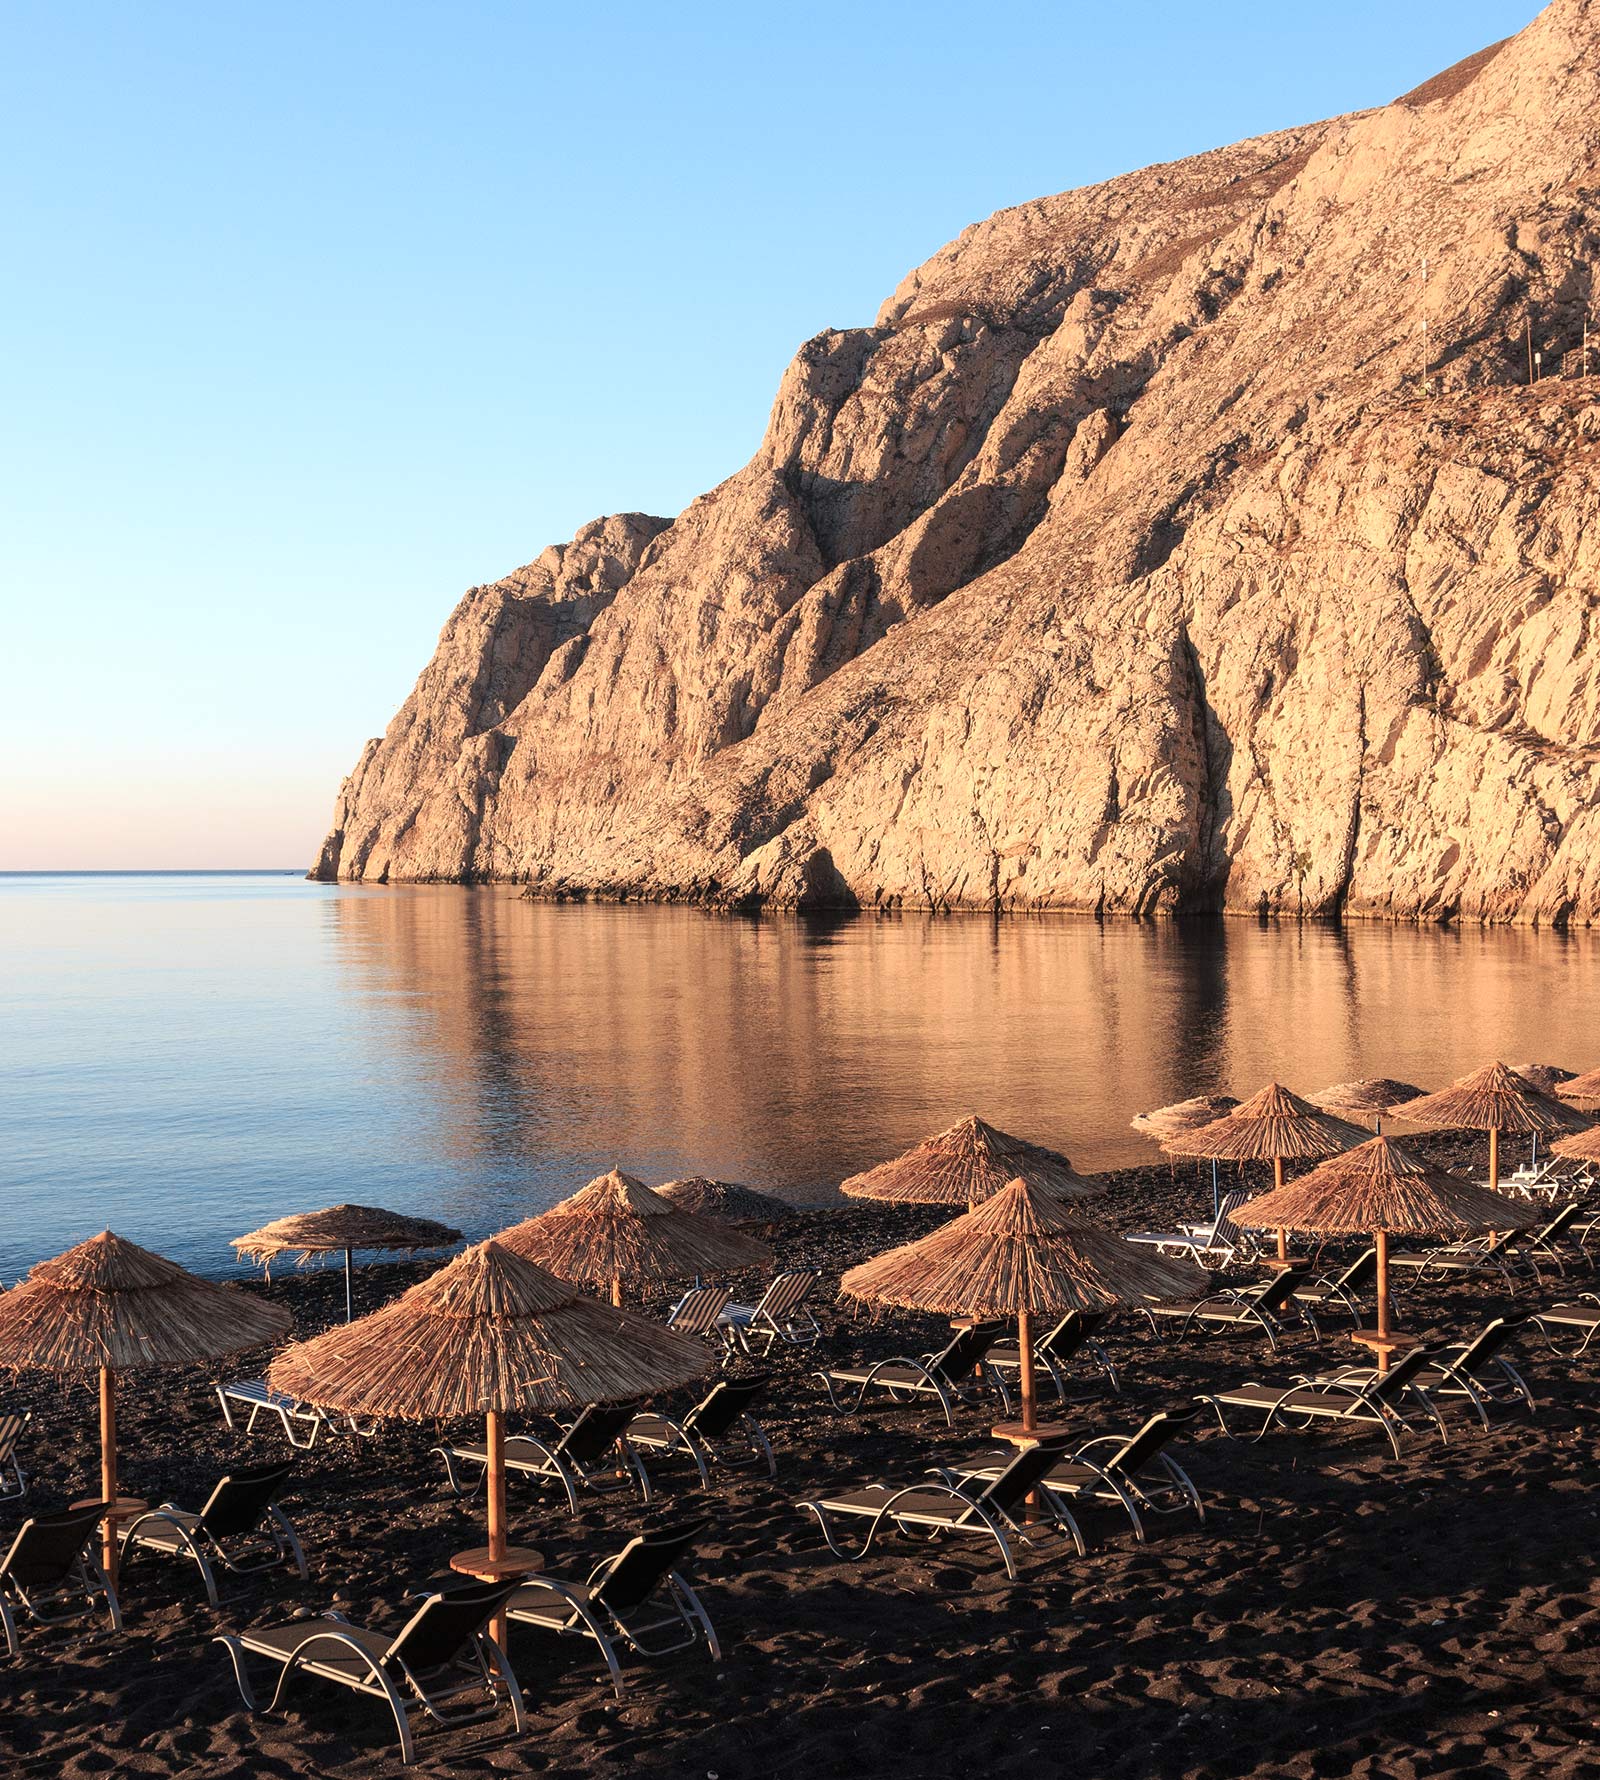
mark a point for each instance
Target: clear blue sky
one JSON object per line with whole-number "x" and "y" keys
{"x": 316, "y": 315}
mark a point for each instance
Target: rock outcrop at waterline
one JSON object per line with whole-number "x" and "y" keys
{"x": 1126, "y": 564}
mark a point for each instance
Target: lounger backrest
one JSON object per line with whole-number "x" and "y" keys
{"x": 1558, "y": 1223}
{"x": 1488, "y": 1341}
{"x": 1385, "y": 1386}
{"x": 1021, "y": 1477}
{"x": 11, "y": 1426}
{"x": 1139, "y": 1449}
{"x": 1361, "y": 1271}
{"x": 787, "y": 1293}
{"x": 965, "y": 1351}
{"x": 241, "y": 1498}
{"x": 697, "y": 1312}
{"x": 725, "y": 1402}
{"x": 48, "y": 1546}
{"x": 1279, "y": 1291}
{"x": 446, "y": 1622}
{"x": 1225, "y": 1233}
{"x": 636, "y": 1571}
{"x": 1075, "y": 1328}
{"x": 596, "y": 1431}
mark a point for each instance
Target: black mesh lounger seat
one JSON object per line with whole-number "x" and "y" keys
{"x": 441, "y": 1655}
{"x": 783, "y": 1314}
{"x": 1579, "y": 1317}
{"x": 593, "y": 1453}
{"x": 638, "y": 1600}
{"x": 1073, "y": 1336}
{"x": 986, "y": 1509}
{"x": 719, "y": 1429}
{"x": 956, "y": 1372}
{"x": 1213, "y": 1245}
{"x": 13, "y": 1479}
{"x": 1133, "y": 1471}
{"x": 241, "y": 1527}
{"x": 252, "y": 1394}
{"x": 696, "y": 1312}
{"x": 1476, "y": 1370}
{"x": 49, "y": 1564}
{"x": 1232, "y": 1307}
{"x": 1338, "y": 1289}
{"x": 1371, "y": 1402}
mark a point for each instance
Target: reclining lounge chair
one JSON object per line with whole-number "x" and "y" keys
{"x": 697, "y": 1312}
{"x": 49, "y": 1562}
{"x": 593, "y": 1453}
{"x": 1476, "y": 1370}
{"x": 1212, "y": 1244}
{"x": 629, "y": 1600}
{"x": 241, "y": 1527}
{"x": 1373, "y": 1401}
{"x": 1578, "y": 1316}
{"x": 1131, "y": 1471}
{"x": 782, "y": 1315}
{"x": 1232, "y": 1307}
{"x": 1510, "y": 1253}
{"x": 1073, "y": 1335}
{"x": 1339, "y": 1289}
{"x": 441, "y": 1655}
{"x": 956, "y": 1372}
{"x": 985, "y": 1508}
{"x": 253, "y": 1395}
{"x": 713, "y": 1431}
{"x": 13, "y": 1479}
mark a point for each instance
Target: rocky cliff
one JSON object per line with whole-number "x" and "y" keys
{"x": 1146, "y": 555}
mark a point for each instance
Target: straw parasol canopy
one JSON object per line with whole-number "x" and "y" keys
{"x": 965, "y": 1165}
{"x": 1548, "y": 1078}
{"x": 1581, "y": 1090}
{"x": 1370, "y": 1097}
{"x": 1181, "y": 1116}
{"x": 347, "y": 1228}
{"x": 1582, "y": 1146}
{"x": 727, "y": 1202}
{"x": 108, "y": 1306}
{"x": 1272, "y": 1125}
{"x": 1494, "y": 1099}
{"x": 617, "y": 1230}
{"x": 1382, "y": 1188}
{"x": 1020, "y": 1253}
{"x": 487, "y": 1334}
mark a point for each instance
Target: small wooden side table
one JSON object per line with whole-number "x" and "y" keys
{"x": 124, "y": 1508}
{"x": 519, "y": 1560}
{"x": 1014, "y": 1434}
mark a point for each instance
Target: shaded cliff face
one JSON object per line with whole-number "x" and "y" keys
{"x": 1126, "y": 564}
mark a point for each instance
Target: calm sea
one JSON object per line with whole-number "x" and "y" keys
{"x": 187, "y": 1056}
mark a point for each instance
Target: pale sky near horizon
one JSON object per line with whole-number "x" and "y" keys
{"x": 318, "y": 315}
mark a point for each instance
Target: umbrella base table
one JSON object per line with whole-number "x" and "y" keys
{"x": 124, "y": 1508}
{"x": 1392, "y": 1343}
{"x": 1014, "y": 1434}
{"x": 519, "y": 1560}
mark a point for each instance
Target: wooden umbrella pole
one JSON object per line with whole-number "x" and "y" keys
{"x": 108, "y": 1469}
{"x": 1025, "y": 1356}
{"x": 1277, "y": 1187}
{"x": 616, "y": 1289}
{"x": 1494, "y": 1159}
{"x": 349, "y": 1297}
{"x": 496, "y": 1485}
{"x": 1380, "y": 1241}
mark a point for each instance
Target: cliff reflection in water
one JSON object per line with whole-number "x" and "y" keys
{"x": 552, "y": 1041}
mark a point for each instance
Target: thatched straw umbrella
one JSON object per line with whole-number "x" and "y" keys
{"x": 1272, "y": 1125}
{"x": 1382, "y": 1189}
{"x": 617, "y": 1230}
{"x": 1368, "y": 1098}
{"x": 1580, "y": 1090}
{"x": 1548, "y": 1078}
{"x": 1582, "y": 1146}
{"x": 1493, "y": 1099}
{"x": 346, "y": 1227}
{"x": 488, "y": 1334}
{"x": 964, "y": 1166}
{"x": 108, "y": 1306}
{"x": 1186, "y": 1115}
{"x": 727, "y": 1202}
{"x": 1020, "y": 1253}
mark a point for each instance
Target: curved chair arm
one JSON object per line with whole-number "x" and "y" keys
{"x": 167, "y": 1513}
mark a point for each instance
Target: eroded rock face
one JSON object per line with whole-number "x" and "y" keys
{"x": 1126, "y": 563}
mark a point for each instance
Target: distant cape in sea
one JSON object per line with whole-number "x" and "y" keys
{"x": 1194, "y": 541}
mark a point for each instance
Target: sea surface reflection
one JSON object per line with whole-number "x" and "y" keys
{"x": 187, "y": 1056}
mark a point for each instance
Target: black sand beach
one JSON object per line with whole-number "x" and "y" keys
{"x": 1338, "y": 1614}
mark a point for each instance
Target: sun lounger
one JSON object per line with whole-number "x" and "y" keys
{"x": 13, "y": 1479}
{"x": 697, "y": 1312}
{"x": 782, "y": 1315}
{"x": 1073, "y": 1335}
{"x": 1580, "y": 1316}
{"x": 48, "y": 1564}
{"x": 1370, "y": 1402}
{"x": 980, "y": 1508}
{"x": 240, "y": 1527}
{"x": 441, "y": 1655}
{"x": 713, "y": 1431}
{"x": 1133, "y": 1471}
{"x": 1510, "y": 1253}
{"x": 252, "y": 1394}
{"x": 1476, "y": 1370}
{"x": 1339, "y": 1289}
{"x": 1232, "y": 1307}
{"x": 1213, "y": 1245}
{"x": 592, "y": 1454}
{"x": 630, "y": 1600}
{"x": 956, "y": 1372}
